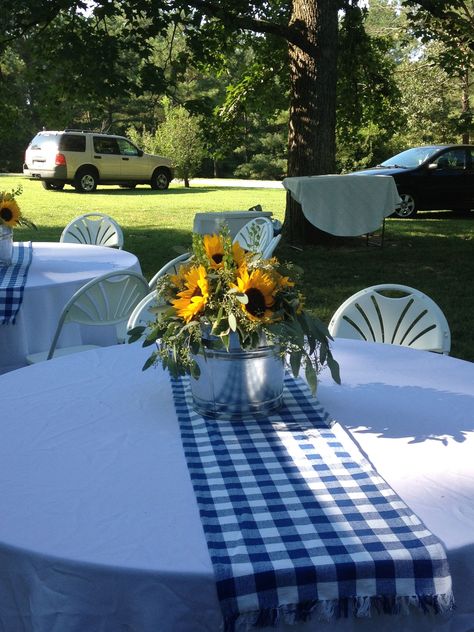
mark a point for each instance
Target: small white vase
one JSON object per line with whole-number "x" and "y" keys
{"x": 6, "y": 245}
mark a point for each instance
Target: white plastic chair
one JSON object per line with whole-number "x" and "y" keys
{"x": 146, "y": 311}
{"x": 106, "y": 301}
{"x": 170, "y": 267}
{"x": 96, "y": 229}
{"x": 268, "y": 252}
{"x": 405, "y": 317}
{"x": 255, "y": 235}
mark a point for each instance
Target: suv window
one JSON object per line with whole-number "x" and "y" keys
{"x": 72, "y": 142}
{"x": 126, "y": 147}
{"x": 40, "y": 140}
{"x": 103, "y": 145}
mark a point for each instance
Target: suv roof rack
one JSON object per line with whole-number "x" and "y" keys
{"x": 85, "y": 131}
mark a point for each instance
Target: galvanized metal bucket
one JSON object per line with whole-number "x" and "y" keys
{"x": 236, "y": 383}
{"x": 6, "y": 245}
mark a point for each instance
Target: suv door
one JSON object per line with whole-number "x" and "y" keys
{"x": 107, "y": 158}
{"x": 134, "y": 165}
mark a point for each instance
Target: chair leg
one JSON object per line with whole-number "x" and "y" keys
{"x": 374, "y": 242}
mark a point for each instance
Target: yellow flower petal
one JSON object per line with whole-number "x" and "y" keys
{"x": 193, "y": 298}
{"x": 214, "y": 248}
{"x": 9, "y": 212}
{"x": 260, "y": 289}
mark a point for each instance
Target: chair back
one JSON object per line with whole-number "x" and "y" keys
{"x": 146, "y": 311}
{"x": 107, "y": 300}
{"x": 268, "y": 252}
{"x": 170, "y": 267}
{"x": 255, "y": 235}
{"x": 393, "y": 314}
{"x": 96, "y": 229}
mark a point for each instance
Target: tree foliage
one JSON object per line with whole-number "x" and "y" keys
{"x": 261, "y": 75}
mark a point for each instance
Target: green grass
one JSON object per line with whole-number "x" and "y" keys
{"x": 433, "y": 253}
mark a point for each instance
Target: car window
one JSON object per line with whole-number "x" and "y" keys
{"x": 72, "y": 142}
{"x": 126, "y": 147}
{"x": 103, "y": 145}
{"x": 44, "y": 141}
{"x": 470, "y": 157}
{"x": 453, "y": 159}
{"x": 411, "y": 157}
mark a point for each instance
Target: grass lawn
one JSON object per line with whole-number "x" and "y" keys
{"x": 433, "y": 254}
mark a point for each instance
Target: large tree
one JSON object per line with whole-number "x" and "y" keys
{"x": 308, "y": 28}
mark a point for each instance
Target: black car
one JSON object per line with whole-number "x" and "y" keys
{"x": 431, "y": 178}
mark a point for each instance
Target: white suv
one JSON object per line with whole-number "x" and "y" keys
{"x": 86, "y": 159}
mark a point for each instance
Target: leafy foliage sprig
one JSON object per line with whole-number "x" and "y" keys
{"x": 222, "y": 291}
{"x": 10, "y": 213}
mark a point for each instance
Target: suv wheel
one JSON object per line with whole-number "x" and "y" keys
{"x": 86, "y": 181}
{"x": 407, "y": 208}
{"x": 52, "y": 186}
{"x": 160, "y": 180}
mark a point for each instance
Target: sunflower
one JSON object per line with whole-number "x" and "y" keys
{"x": 260, "y": 290}
{"x": 238, "y": 253}
{"x": 193, "y": 299}
{"x": 284, "y": 281}
{"x": 179, "y": 279}
{"x": 214, "y": 247}
{"x": 9, "y": 212}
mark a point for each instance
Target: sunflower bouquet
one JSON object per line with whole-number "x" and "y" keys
{"x": 223, "y": 292}
{"x": 10, "y": 214}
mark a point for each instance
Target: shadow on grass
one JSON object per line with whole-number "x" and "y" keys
{"x": 149, "y": 192}
{"x": 436, "y": 215}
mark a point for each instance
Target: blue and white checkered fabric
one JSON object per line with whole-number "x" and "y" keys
{"x": 12, "y": 281}
{"x": 299, "y": 525}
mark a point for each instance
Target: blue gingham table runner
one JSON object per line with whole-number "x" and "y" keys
{"x": 12, "y": 281}
{"x": 299, "y": 525}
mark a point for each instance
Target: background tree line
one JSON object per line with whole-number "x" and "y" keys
{"x": 276, "y": 88}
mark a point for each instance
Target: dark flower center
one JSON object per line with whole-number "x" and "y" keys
{"x": 197, "y": 291}
{"x": 6, "y": 213}
{"x": 256, "y": 304}
{"x": 218, "y": 257}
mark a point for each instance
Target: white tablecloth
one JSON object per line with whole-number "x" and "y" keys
{"x": 99, "y": 528}
{"x": 57, "y": 271}
{"x": 345, "y": 205}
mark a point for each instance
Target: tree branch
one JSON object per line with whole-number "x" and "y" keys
{"x": 248, "y": 23}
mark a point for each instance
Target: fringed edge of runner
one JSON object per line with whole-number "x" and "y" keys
{"x": 340, "y": 608}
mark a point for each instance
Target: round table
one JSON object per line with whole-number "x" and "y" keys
{"x": 99, "y": 527}
{"x": 57, "y": 270}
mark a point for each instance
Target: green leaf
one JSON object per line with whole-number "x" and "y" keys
{"x": 323, "y": 353}
{"x": 242, "y": 298}
{"x": 150, "y": 361}
{"x": 135, "y": 334}
{"x": 225, "y": 341}
{"x": 232, "y": 321}
{"x": 295, "y": 362}
{"x": 311, "y": 376}
{"x": 334, "y": 368}
{"x": 195, "y": 370}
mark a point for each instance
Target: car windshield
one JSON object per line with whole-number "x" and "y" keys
{"x": 411, "y": 157}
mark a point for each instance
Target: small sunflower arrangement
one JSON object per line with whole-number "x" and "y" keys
{"x": 10, "y": 214}
{"x": 224, "y": 291}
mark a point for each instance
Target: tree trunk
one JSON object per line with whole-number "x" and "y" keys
{"x": 311, "y": 134}
{"x": 466, "y": 108}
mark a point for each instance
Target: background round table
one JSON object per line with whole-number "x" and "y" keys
{"x": 57, "y": 270}
{"x": 99, "y": 526}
